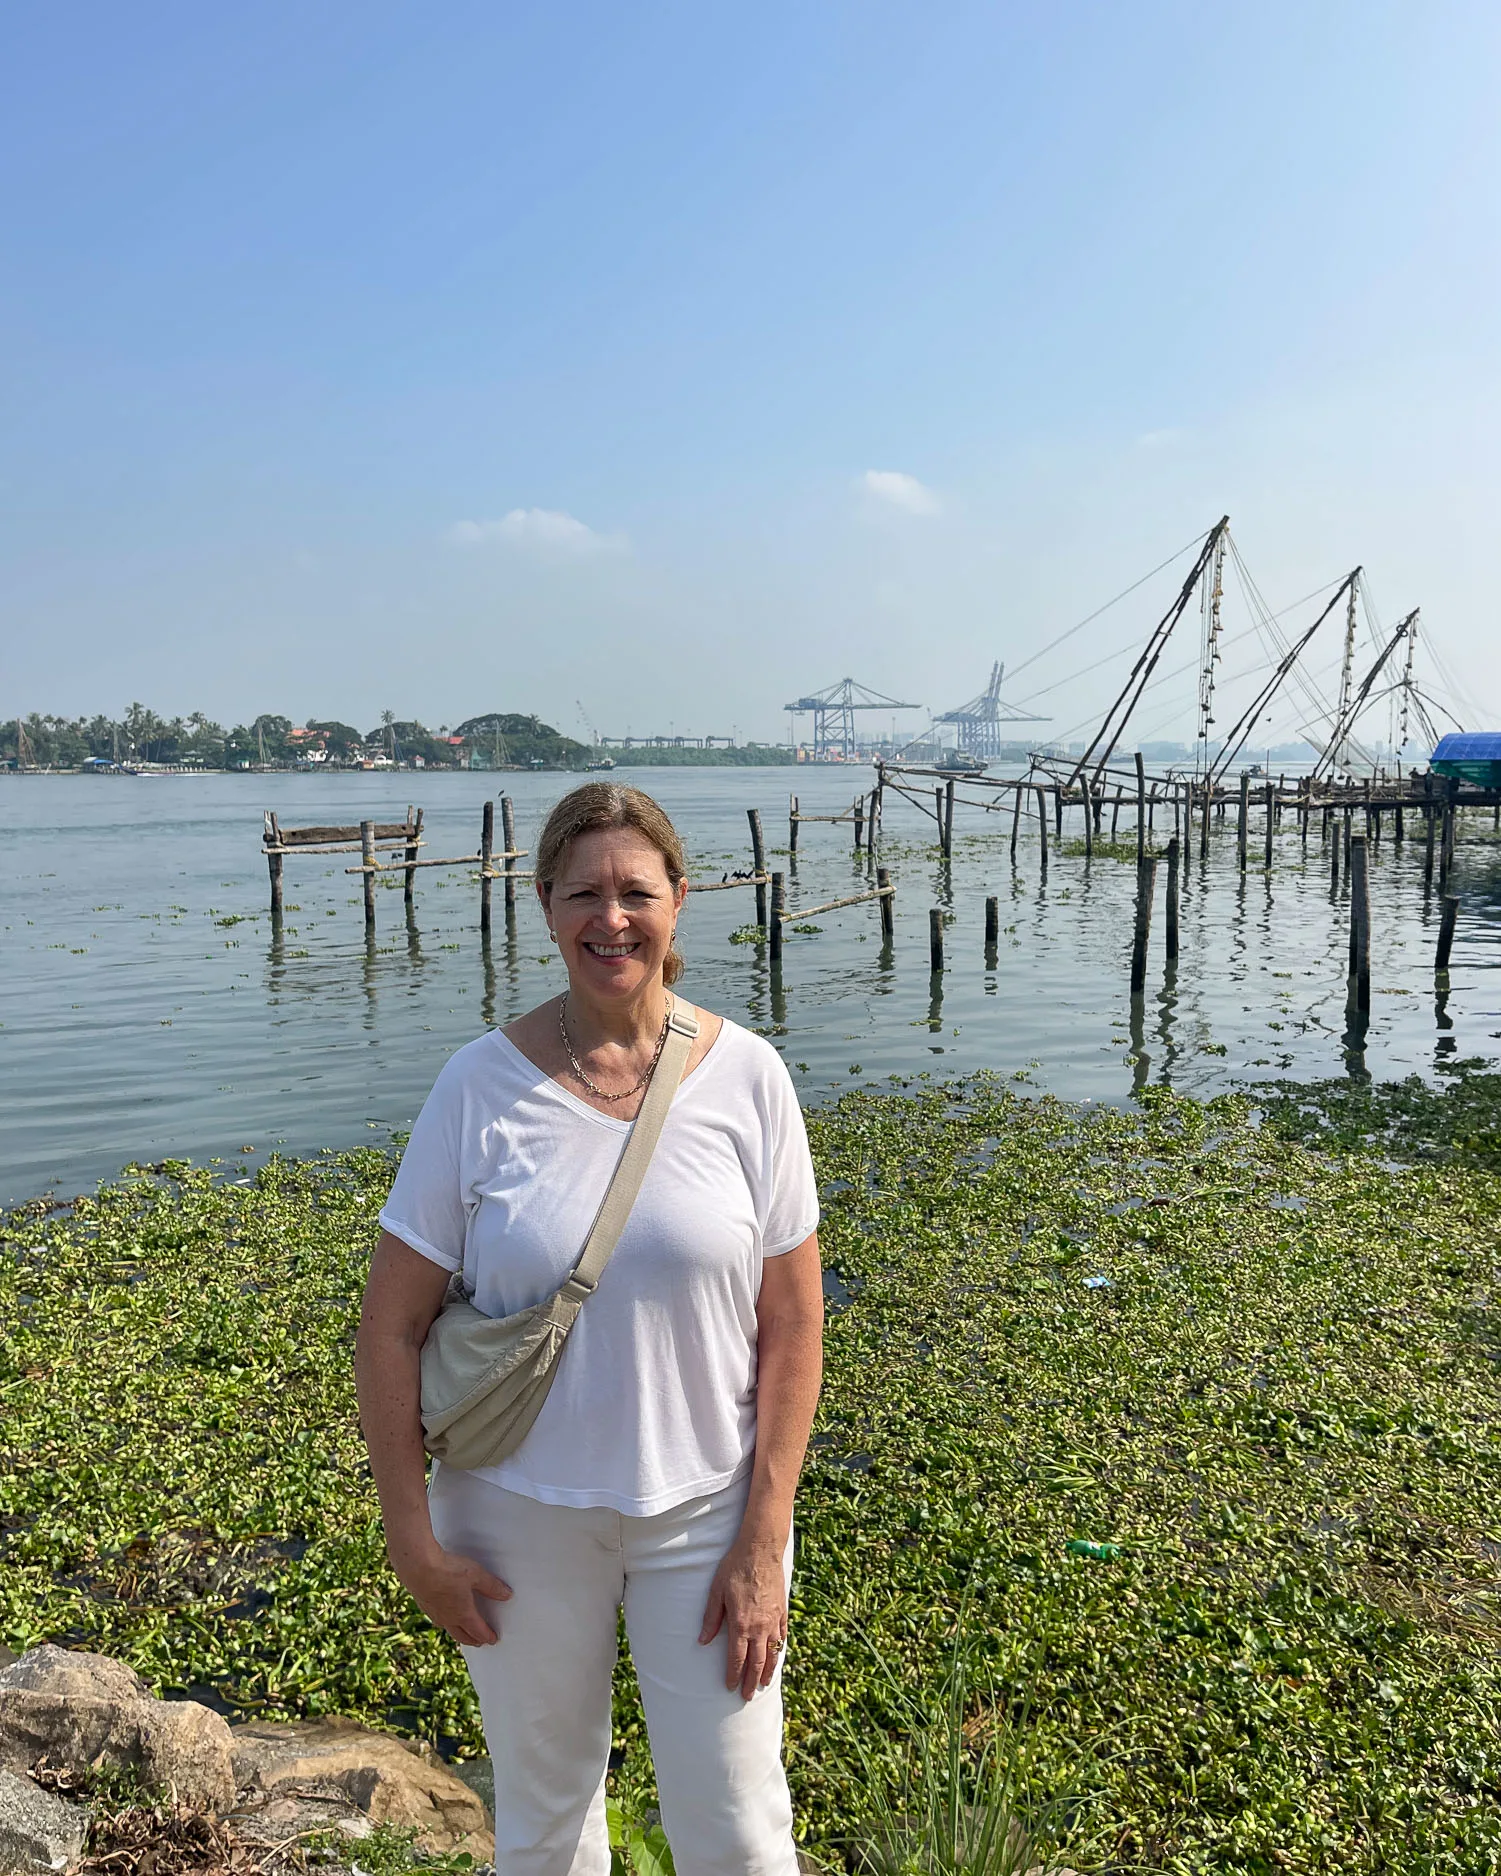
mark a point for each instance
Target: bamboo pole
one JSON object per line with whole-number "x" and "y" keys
{"x": 1146, "y": 883}
{"x": 1360, "y": 924}
{"x": 1446, "y": 933}
{"x": 935, "y": 939}
{"x": 778, "y": 913}
{"x": 486, "y": 852}
{"x": 758, "y": 863}
{"x": 1170, "y": 909}
{"x": 508, "y": 835}
{"x": 792, "y": 826}
{"x": 888, "y": 904}
{"x": 367, "y": 853}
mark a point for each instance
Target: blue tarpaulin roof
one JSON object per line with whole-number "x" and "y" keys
{"x": 1470, "y": 746}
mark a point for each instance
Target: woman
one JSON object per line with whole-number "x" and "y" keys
{"x": 659, "y": 1475}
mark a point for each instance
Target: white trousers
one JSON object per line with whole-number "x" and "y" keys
{"x": 544, "y": 1686}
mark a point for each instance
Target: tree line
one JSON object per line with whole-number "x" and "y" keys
{"x": 197, "y": 741}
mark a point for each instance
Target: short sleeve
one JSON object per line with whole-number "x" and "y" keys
{"x": 792, "y": 1204}
{"x": 426, "y": 1208}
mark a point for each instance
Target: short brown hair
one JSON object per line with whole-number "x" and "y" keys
{"x": 598, "y": 806}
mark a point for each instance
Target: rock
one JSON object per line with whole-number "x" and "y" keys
{"x": 38, "y": 1832}
{"x": 289, "y": 1770}
{"x": 479, "y": 1776}
{"x": 81, "y": 1711}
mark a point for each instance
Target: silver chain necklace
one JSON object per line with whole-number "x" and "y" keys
{"x": 578, "y": 1068}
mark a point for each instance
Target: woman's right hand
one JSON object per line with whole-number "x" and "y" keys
{"x": 447, "y": 1589}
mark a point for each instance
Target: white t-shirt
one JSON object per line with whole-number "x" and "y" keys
{"x": 654, "y": 1401}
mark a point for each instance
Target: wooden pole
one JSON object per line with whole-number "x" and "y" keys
{"x": 1360, "y": 923}
{"x": 414, "y": 822}
{"x": 1305, "y": 792}
{"x": 1243, "y": 822}
{"x": 1016, "y": 821}
{"x": 1334, "y": 865}
{"x": 1399, "y": 833}
{"x": 1146, "y": 884}
{"x": 1088, "y": 819}
{"x": 1170, "y": 910}
{"x": 1058, "y": 809}
{"x": 1271, "y": 818}
{"x": 1447, "y": 837}
{"x": 758, "y": 863}
{"x": 486, "y": 851}
{"x": 948, "y": 820}
{"x": 273, "y": 860}
{"x": 1042, "y": 823}
{"x": 935, "y": 938}
{"x": 1206, "y": 807}
{"x": 367, "y": 859}
{"x": 888, "y": 905}
{"x": 792, "y": 827}
{"x": 1115, "y": 816}
{"x": 508, "y": 840}
{"x": 1141, "y": 809}
{"x": 859, "y": 822}
{"x": 1446, "y": 932}
{"x": 1428, "y": 830}
{"x": 992, "y": 923}
{"x": 778, "y": 905}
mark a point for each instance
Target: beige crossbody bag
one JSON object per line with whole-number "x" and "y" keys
{"x": 484, "y": 1378}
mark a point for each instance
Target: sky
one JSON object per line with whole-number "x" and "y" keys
{"x": 646, "y": 367}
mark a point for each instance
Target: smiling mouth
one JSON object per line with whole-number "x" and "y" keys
{"x": 611, "y": 951}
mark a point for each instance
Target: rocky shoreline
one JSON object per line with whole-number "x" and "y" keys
{"x": 259, "y": 1791}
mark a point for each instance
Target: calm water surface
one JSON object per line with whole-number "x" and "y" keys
{"x": 148, "y": 1009}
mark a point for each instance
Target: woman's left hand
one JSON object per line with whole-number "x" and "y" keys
{"x": 748, "y": 1600}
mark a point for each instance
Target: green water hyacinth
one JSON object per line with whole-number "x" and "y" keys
{"x": 1282, "y": 1412}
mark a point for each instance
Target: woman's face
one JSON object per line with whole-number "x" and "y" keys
{"x": 614, "y": 910}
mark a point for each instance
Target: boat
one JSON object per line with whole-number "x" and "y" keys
{"x": 1473, "y": 756}
{"x": 960, "y": 762}
{"x": 600, "y": 762}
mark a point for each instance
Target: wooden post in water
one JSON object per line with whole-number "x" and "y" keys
{"x": 1146, "y": 885}
{"x": 1141, "y": 809}
{"x": 935, "y": 938}
{"x": 1058, "y": 810}
{"x": 367, "y": 860}
{"x": 1305, "y": 796}
{"x": 1242, "y": 821}
{"x": 508, "y": 841}
{"x": 1334, "y": 865}
{"x": 792, "y": 826}
{"x": 1016, "y": 821}
{"x": 1088, "y": 819}
{"x": 1428, "y": 830}
{"x": 273, "y": 860}
{"x": 1360, "y": 924}
{"x": 1042, "y": 823}
{"x": 778, "y": 905}
{"x": 1447, "y": 834}
{"x": 486, "y": 859}
{"x": 1446, "y": 932}
{"x": 1399, "y": 833}
{"x": 948, "y": 820}
{"x": 887, "y": 905}
{"x": 1115, "y": 816}
{"x": 758, "y": 863}
{"x": 859, "y": 822}
{"x": 1208, "y": 809}
{"x": 1271, "y": 816}
{"x": 1170, "y": 910}
{"x": 992, "y": 923}
{"x": 414, "y": 826}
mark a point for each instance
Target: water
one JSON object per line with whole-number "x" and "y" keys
{"x": 148, "y": 1010}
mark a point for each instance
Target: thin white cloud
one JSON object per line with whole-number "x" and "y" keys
{"x": 898, "y": 490}
{"x": 1159, "y": 439}
{"x": 540, "y": 530}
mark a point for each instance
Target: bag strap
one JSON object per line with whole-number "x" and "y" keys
{"x": 640, "y": 1144}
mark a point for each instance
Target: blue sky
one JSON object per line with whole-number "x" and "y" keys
{"x": 682, "y": 359}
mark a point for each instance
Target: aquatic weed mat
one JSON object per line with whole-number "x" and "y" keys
{"x": 1199, "y": 1427}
